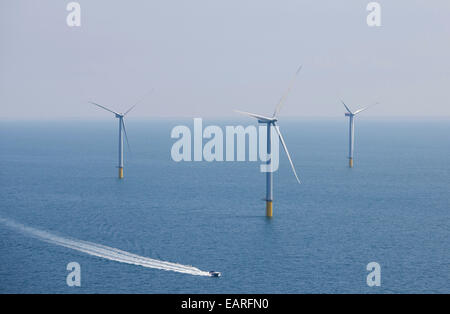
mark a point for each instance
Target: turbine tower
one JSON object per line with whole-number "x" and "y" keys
{"x": 272, "y": 122}
{"x": 351, "y": 116}
{"x": 122, "y": 131}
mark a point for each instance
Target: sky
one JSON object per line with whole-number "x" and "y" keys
{"x": 204, "y": 58}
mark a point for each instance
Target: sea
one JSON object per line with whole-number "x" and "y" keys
{"x": 164, "y": 226}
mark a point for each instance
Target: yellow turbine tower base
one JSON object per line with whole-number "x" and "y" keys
{"x": 269, "y": 210}
{"x": 120, "y": 173}
{"x": 350, "y": 162}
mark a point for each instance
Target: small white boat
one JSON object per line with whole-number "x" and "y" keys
{"x": 214, "y": 274}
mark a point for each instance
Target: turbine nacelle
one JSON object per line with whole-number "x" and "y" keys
{"x": 267, "y": 121}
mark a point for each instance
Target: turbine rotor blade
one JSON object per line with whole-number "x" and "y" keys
{"x": 287, "y": 152}
{"x": 364, "y": 108}
{"x": 129, "y": 110}
{"x": 257, "y": 116}
{"x": 142, "y": 98}
{"x": 283, "y": 98}
{"x": 126, "y": 136}
{"x": 348, "y": 109}
{"x": 107, "y": 109}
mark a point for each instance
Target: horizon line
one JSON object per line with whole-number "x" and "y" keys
{"x": 228, "y": 117}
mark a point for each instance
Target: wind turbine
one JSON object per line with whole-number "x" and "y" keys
{"x": 351, "y": 115}
{"x": 272, "y": 122}
{"x": 122, "y": 131}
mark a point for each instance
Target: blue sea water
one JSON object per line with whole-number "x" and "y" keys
{"x": 393, "y": 208}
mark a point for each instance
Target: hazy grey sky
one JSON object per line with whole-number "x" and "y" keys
{"x": 205, "y": 58}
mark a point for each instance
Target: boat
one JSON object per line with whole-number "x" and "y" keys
{"x": 214, "y": 274}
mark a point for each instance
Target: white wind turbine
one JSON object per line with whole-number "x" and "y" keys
{"x": 272, "y": 122}
{"x": 122, "y": 131}
{"x": 351, "y": 115}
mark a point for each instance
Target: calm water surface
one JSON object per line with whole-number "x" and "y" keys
{"x": 392, "y": 208}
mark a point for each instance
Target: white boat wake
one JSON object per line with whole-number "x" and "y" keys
{"x": 103, "y": 251}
